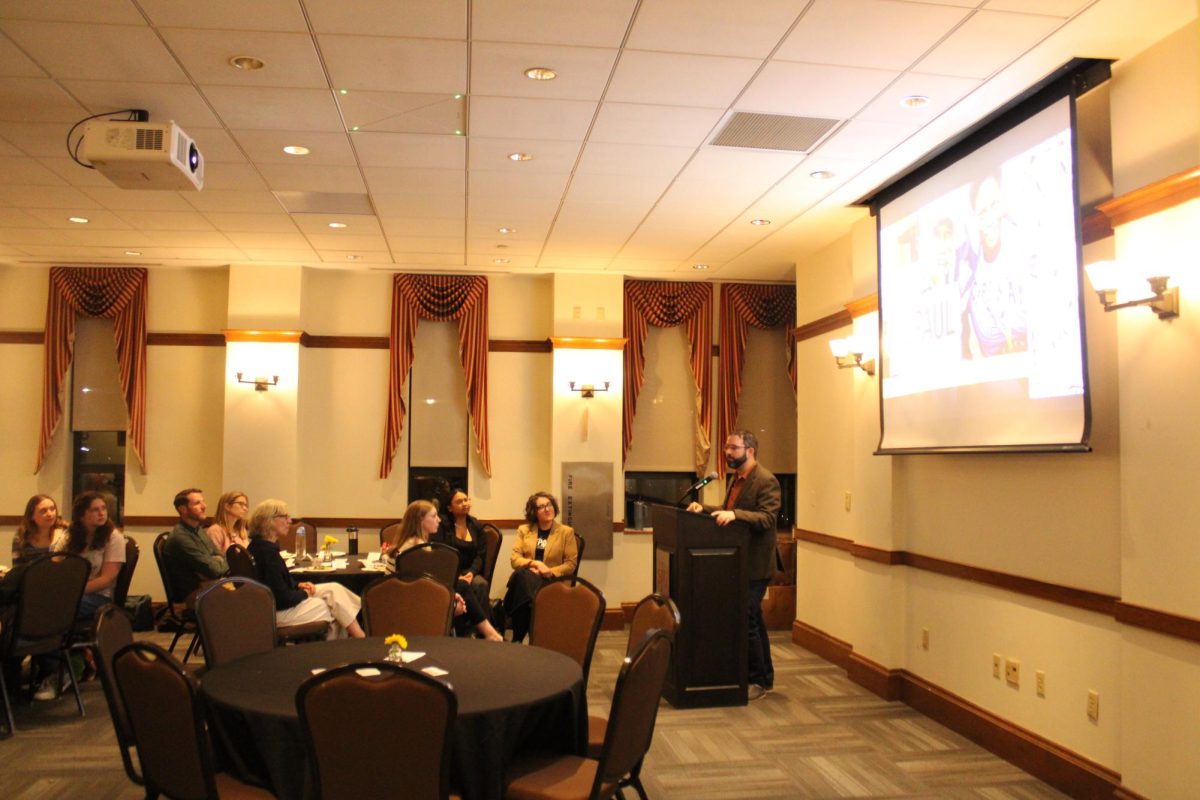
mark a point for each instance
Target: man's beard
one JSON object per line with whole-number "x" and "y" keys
{"x": 735, "y": 463}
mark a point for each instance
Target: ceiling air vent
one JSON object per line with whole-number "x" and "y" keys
{"x": 773, "y": 132}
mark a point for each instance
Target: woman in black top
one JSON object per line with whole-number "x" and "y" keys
{"x": 464, "y": 533}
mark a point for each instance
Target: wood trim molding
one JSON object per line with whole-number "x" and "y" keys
{"x": 863, "y": 306}
{"x": 21, "y": 337}
{"x": 1062, "y": 768}
{"x": 186, "y": 339}
{"x": 272, "y": 337}
{"x": 1096, "y": 227}
{"x": 344, "y": 342}
{"x": 1164, "y": 622}
{"x": 519, "y": 346}
{"x": 1152, "y": 198}
{"x": 818, "y": 327}
{"x": 587, "y": 343}
{"x": 614, "y": 620}
{"x": 141, "y": 521}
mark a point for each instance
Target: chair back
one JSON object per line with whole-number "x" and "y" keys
{"x": 420, "y": 606}
{"x": 340, "y": 708}
{"x": 389, "y": 534}
{"x": 653, "y": 611}
{"x": 567, "y": 613}
{"x": 237, "y": 618}
{"x": 48, "y": 600}
{"x": 580, "y": 543}
{"x": 125, "y": 576}
{"x": 114, "y": 630}
{"x": 493, "y": 539}
{"x": 288, "y": 540}
{"x": 169, "y": 590}
{"x": 432, "y": 558}
{"x": 634, "y": 709}
{"x": 167, "y": 722}
{"x": 241, "y": 563}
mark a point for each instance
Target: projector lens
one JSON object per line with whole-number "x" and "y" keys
{"x": 193, "y": 157}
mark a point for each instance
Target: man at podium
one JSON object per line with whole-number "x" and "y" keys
{"x": 752, "y": 497}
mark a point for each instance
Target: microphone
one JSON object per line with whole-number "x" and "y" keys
{"x": 698, "y": 485}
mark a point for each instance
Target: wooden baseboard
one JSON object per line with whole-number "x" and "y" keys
{"x": 1063, "y": 769}
{"x": 614, "y": 619}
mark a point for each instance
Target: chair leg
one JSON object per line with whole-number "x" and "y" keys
{"x": 635, "y": 780}
{"x": 175, "y": 639}
{"x": 66, "y": 657}
{"x": 192, "y": 647}
{"x": 8, "y": 716}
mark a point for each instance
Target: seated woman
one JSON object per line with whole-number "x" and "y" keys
{"x": 463, "y": 532}
{"x": 420, "y": 522}
{"x": 545, "y": 549}
{"x": 39, "y": 525}
{"x": 93, "y": 536}
{"x": 297, "y": 603}
{"x": 229, "y": 523}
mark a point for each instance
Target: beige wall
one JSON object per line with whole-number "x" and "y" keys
{"x": 1120, "y": 520}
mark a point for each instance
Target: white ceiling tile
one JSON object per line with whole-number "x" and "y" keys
{"x": 576, "y": 22}
{"x": 480, "y": 244}
{"x": 987, "y": 42}
{"x": 1056, "y": 8}
{"x": 427, "y": 259}
{"x": 548, "y": 155}
{"x": 433, "y": 19}
{"x": 38, "y": 100}
{"x": 608, "y": 158}
{"x": 403, "y": 112}
{"x": 110, "y": 238}
{"x": 447, "y": 183}
{"x": 243, "y": 177}
{"x": 25, "y": 237}
{"x": 865, "y": 139}
{"x": 229, "y": 222}
{"x": 288, "y": 256}
{"x": 260, "y": 202}
{"x": 16, "y": 218}
{"x": 23, "y": 171}
{"x": 164, "y": 101}
{"x": 107, "y": 12}
{"x": 60, "y": 197}
{"x": 5, "y": 250}
{"x": 573, "y": 260}
{"x": 356, "y": 224}
{"x": 15, "y": 64}
{"x": 290, "y": 59}
{"x": 312, "y": 178}
{"x": 166, "y": 220}
{"x": 428, "y": 151}
{"x": 433, "y": 66}
{"x": 217, "y": 147}
{"x": 526, "y": 118}
{"x": 76, "y": 174}
{"x": 116, "y": 199}
{"x": 261, "y": 15}
{"x": 628, "y": 123}
{"x": 189, "y": 238}
{"x": 40, "y": 139}
{"x": 502, "y": 183}
{"x": 514, "y": 208}
{"x": 679, "y": 79}
{"x": 642, "y": 266}
{"x": 266, "y": 147}
{"x": 618, "y": 188}
{"x": 714, "y": 27}
{"x": 275, "y": 109}
{"x": 813, "y": 90}
{"x": 7, "y": 149}
{"x": 943, "y": 92}
{"x": 356, "y": 260}
{"x": 868, "y": 33}
{"x": 411, "y": 205}
{"x": 426, "y": 244}
{"x": 96, "y": 52}
{"x": 404, "y": 227}
{"x": 332, "y": 241}
{"x": 98, "y": 219}
{"x": 498, "y": 69}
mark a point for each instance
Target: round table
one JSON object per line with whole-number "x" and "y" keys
{"x": 510, "y": 697}
{"x": 355, "y": 576}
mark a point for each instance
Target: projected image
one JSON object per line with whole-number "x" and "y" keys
{"x": 979, "y": 288}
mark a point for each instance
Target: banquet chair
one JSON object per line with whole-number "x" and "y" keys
{"x": 494, "y": 540}
{"x": 48, "y": 593}
{"x": 84, "y": 635}
{"x": 341, "y": 707}
{"x": 420, "y": 606}
{"x": 580, "y": 544}
{"x": 167, "y": 720}
{"x": 389, "y": 534}
{"x": 435, "y": 559}
{"x": 567, "y": 613}
{"x": 288, "y": 540}
{"x": 177, "y": 613}
{"x": 237, "y": 618}
{"x": 652, "y": 611}
{"x": 241, "y": 563}
{"x": 631, "y": 728}
{"x": 114, "y": 630}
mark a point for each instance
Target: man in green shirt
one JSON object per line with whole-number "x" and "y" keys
{"x": 189, "y": 556}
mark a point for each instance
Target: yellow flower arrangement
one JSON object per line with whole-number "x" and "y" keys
{"x": 395, "y": 653}
{"x": 330, "y": 541}
{"x": 396, "y": 638}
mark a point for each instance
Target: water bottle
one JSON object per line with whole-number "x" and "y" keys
{"x": 301, "y": 542}
{"x": 352, "y": 536}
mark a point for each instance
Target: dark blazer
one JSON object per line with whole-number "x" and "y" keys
{"x": 758, "y": 506}
{"x": 470, "y": 554}
{"x": 273, "y": 573}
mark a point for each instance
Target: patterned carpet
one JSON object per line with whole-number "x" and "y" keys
{"x": 816, "y": 736}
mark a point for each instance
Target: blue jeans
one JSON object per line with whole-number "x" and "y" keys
{"x": 89, "y": 604}
{"x": 761, "y": 670}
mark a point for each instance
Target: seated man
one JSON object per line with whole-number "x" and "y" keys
{"x": 189, "y": 556}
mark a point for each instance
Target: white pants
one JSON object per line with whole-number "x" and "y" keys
{"x": 331, "y": 603}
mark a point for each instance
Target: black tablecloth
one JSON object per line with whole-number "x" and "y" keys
{"x": 510, "y": 697}
{"x": 353, "y": 577}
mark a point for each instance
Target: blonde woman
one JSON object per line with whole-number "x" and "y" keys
{"x": 229, "y": 523}
{"x": 297, "y": 603}
{"x": 420, "y": 522}
{"x": 39, "y": 526}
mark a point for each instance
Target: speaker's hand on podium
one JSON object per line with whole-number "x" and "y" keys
{"x": 696, "y": 507}
{"x": 723, "y": 517}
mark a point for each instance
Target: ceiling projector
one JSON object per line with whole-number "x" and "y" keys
{"x": 143, "y": 155}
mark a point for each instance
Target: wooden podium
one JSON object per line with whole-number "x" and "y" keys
{"x": 702, "y": 567}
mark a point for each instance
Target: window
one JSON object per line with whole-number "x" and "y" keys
{"x": 99, "y": 418}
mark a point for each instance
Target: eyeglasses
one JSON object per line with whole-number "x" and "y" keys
{"x": 543, "y": 506}
{"x": 735, "y": 447}
{"x": 283, "y": 516}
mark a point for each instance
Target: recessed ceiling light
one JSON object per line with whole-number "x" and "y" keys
{"x": 353, "y": 127}
{"x": 520, "y": 157}
{"x": 760, "y": 221}
{"x": 458, "y": 133}
{"x": 337, "y": 224}
{"x": 821, "y": 174}
{"x": 353, "y": 257}
{"x": 540, "y": 74}
{"x": 133, "y": 252}
{"x": 499, "y": 260}
{"x": 247, "y": 63}
{"x": 458, "y": 97}
{"x": 296, "y": 150}
{"x": 343, "y": 91}
{"x": 507, "y": 230}
{"x": 914, "y": 101}
{"x": 79, "y": 220}
{"x": 430, "y": 401}
{"x": 700, "y": 267}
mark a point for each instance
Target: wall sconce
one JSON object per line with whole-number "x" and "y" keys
{"x": 587, "y": 390}
{"x": 260, "y": 383}
{"x": 851, "y": 353}
{"x": 1110, "y": 280}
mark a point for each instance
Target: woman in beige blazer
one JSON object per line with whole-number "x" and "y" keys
{"x": 545, "y": 549}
